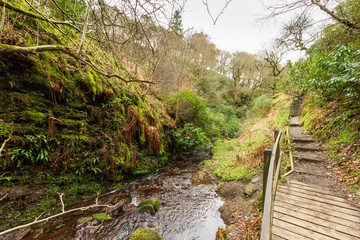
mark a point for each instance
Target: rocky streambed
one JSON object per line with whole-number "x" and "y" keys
{"x": 189, "y": 208}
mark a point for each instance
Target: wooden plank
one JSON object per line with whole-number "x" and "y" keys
{"x": 304, "y": 232}
{"x": 279, "y": 233}
{"x": 352, "y": 230}
{"x": 317, "y": 209}
{"x": 326, "y": 231}
{"x": 310, "y": 195}
{"x": 321, "y": 195}
{"x": 324, "y": 193}
{"x": 310, "y": 187}
{"x": 313, "y": 189}
{"x": 338, "y": 219}
{"x": 274, "y": 237}
{"x": 318, "y": 206}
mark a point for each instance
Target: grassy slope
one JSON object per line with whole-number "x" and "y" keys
{"x": 240, "y": 158}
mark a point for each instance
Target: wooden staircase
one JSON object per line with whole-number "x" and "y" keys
{"x": 310, "y": 205}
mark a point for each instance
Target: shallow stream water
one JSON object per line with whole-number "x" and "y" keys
{"x": 189, "y": 211}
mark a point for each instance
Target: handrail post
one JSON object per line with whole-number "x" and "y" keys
{"x": 267, "y": 157}
{"x": 276, "y": 133}
{"x": 269, "y": 196}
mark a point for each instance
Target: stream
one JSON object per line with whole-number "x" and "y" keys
{"x": 189, "y": 211}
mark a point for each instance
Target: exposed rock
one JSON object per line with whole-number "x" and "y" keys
{"x": 152, "y": 205}
{"x": 145, "y": 234}
{"x": 255, "y": 179}
{"x": 249, "y": 189}
{"x": 201, "y": 177}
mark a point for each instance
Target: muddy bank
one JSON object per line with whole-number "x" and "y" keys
{"x": 238, "y": 210}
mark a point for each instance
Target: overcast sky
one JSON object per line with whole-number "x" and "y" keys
{"x": 237, "y": 29}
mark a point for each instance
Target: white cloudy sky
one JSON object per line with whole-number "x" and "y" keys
{"x": 237, "y": 29}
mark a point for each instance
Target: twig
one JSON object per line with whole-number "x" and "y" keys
{"x": 3, "y": 145}
{"x": 3, "y": 197}
{"x": 62, "y": 202}
{"x": 38, "y": 217}
{"x": 3, "y": 15}
{"x": 205, "y": 2}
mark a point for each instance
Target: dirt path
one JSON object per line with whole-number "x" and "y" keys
{"x": 311, "y": 164}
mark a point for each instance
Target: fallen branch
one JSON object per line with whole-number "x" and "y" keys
{"x": 9, "y": 49}
{"x": 57, "y": 215}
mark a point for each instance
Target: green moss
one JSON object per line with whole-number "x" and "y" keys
{"x": 151, "y": 204}
{"x": 94, "y": 83}
{"x": 33, "y": 116}
{"x": 145, "y": 234}
{"x": 101, "y": 217}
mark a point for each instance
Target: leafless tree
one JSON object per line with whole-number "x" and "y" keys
{"x": 272, "y": 57}
{"x": 297, "y": 34}
{"x": 307, "y": 6}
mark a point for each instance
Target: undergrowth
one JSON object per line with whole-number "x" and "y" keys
{"x": 339, "y": 129}
{"x": 242, "y": 157}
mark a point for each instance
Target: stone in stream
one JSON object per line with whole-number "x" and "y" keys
{"x": 145, "y": 234}
{"x": 152, "y": 205}
{"x": 101, "y": 216}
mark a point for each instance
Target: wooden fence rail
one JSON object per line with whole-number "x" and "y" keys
{"x": 272, "y": 162}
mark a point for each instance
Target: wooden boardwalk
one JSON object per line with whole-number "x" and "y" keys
{"x": 308, "y": 206}
{"x": 304, "y": 211}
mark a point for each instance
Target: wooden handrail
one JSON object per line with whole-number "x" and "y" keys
{"x": 273, "y": 173}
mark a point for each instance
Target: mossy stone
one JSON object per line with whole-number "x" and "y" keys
{"x": 83, "y": 220}
{"x": 151, "y": 204}
{"x": 101, "y": 216}
{"x": 249, "y": 189}
{"x": 145, "y": 234}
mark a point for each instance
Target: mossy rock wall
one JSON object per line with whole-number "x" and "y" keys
{"x": 82, "y": 114}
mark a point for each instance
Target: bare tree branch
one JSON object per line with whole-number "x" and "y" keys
{"x": 214, "y": 19}
{"x": 36, "y": 16}
{"x": 65, "y": 13}
{"x": 335, "y": 16}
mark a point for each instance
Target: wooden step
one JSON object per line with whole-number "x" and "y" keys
{"x": 303, "y": 140}
{"x": 309, "y": 149}
{"x": 308, "y": 159}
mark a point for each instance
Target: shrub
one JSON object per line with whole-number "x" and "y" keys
{"x": 190, "y": 137}
{"x": 189, "y": 107}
